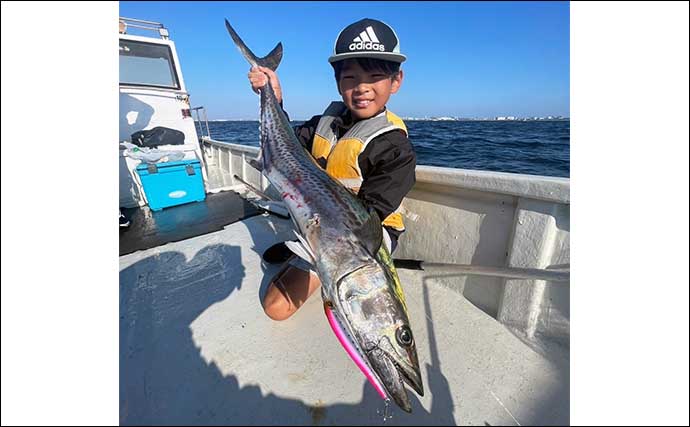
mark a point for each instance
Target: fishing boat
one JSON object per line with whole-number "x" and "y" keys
{"x": 484, "y": 265}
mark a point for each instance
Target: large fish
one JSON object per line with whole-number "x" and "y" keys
{"x": 362, "y": 296}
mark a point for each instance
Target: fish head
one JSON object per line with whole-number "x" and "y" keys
{"x": 370, "y": 311}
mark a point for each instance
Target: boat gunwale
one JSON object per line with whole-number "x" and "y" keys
{"x": 546, "y": 188}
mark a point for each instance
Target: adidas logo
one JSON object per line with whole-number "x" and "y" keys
{"x": 367, "y": 40}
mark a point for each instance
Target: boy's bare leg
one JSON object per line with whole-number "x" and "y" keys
{"x": 288, "y": 291}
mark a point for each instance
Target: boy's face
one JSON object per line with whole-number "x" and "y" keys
{"x": 366, "y": 93}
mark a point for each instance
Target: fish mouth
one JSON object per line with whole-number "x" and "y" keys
{"x": 393, "y": 376}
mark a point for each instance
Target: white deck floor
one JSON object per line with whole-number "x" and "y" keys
{"x": 196, "y": 348}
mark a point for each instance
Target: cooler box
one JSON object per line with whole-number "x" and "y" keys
{"x": 172, "y": 183}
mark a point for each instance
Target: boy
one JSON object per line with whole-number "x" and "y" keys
{"x": 357, "y": 141}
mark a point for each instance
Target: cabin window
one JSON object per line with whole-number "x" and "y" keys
{"x": 147, "y": 64}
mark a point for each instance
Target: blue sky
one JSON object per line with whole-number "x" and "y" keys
{"x": 467, "y": 59}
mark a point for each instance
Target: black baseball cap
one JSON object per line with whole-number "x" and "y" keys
{"x": 367, "y": 38}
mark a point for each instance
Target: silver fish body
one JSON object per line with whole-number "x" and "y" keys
{"x": 360, "y": 286}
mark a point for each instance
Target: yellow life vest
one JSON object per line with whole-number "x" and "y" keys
{"x": 341, "y": 155}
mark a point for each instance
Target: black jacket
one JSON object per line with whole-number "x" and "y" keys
{"x": 387, "y": 163}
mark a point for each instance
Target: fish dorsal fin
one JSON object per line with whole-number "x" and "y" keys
{"x": 371, "y": 232}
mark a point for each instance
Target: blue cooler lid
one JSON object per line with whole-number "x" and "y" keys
{"x": 167, "y": 166}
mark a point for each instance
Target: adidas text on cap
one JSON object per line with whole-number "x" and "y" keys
{"x": 367, "y": 38}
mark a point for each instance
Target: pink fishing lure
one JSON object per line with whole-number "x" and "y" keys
{"x": 352, "y": 352}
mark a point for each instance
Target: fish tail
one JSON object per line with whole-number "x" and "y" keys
{"x": 272, "y": 60}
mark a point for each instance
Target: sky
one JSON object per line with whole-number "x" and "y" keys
{"x": 465, "y": 59}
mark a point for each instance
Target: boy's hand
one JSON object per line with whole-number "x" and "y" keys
{"x": 258, "y": 77}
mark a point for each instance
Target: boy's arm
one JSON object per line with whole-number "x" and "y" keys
{"x": 388, "y": 168}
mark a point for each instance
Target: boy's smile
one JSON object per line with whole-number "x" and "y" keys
{"x": 366, "y": 93}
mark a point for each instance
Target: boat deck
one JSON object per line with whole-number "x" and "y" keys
{"x": 150, "y": 229}
{"x": 197, "y": 349}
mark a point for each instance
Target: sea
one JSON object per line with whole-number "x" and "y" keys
{"x": 535, "y": 147}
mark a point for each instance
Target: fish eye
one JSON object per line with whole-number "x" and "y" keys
{"x": 404, "y": 336}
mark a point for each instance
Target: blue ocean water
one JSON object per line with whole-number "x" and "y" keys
{"x": 526, "y": 147}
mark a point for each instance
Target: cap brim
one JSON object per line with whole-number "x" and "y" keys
{"x": 386, "y": 56}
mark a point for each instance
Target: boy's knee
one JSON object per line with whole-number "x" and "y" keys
{"x": 276, "y": 306}
{"x": 288, "y": 291}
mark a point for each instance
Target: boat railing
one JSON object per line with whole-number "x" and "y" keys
{"x": 141, "y": 24}
{"x": 230, "y": 158}
{"x": 198, "y": 111}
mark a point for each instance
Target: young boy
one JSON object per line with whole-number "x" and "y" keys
{"x": 357, "y": 141}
